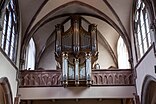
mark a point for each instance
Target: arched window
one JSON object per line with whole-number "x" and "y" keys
{"x": 8, "y": 24}
{"x": 122, "y": 53}
{"x": 30, "y": 55}
{"x": 142, "y": 29}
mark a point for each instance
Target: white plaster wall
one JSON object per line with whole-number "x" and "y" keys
{"x": 104, "y": 59}
{"x": 96, "y": 92}
{"x": 146, "y": 67}
{"x": 47, "y": 60}
{"x": 7, "y": 70}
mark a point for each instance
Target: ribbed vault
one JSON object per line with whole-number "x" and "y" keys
{"x": 39, "y": 20}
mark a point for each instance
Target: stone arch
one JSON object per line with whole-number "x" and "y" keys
{"x": 5, "y": 90}
{"x": 148, "y": 95}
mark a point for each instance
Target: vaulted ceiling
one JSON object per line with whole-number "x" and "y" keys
{"x": 39, "y": 17}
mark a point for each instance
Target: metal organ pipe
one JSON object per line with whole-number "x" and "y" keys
{"x": 93, "y": 32}
{"x": 76, "y": 36}
{"x": 88, "y": 68}
{"x": 76, "y": 50}
{"x": 65, "y": 68}
{"x": 58, "y": 39}
{"x": 77, "y": 71}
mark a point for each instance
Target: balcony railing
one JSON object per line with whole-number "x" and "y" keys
{"x": 39, "y": 78}
{"x": 112, "y": 77}
{"x": 50, "y": 78}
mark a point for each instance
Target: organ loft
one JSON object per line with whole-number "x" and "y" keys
{"x": 76, "y": 51}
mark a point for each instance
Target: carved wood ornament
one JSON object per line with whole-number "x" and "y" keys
{"x": 102, "y": 77}
{"x": 76, "y": 51}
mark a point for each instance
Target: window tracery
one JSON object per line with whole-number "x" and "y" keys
{"x": 9, "y": 35}
{"x": 142, "y": 29}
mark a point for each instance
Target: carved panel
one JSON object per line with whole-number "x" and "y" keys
{"x": 40, "y": 78}
{"x": 112, "y": 77}
{"x": 102, "y": 77}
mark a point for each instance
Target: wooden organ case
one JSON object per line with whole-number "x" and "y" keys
{"x": 76, "y": 50}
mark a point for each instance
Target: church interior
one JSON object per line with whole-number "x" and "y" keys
{"x": 77, "y": 51}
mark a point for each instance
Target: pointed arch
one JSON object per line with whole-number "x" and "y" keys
{"x": 30, "y": 55}
{"x": 122, "y": 54}
{"x": 100, "y": 15}
{"x": 148, "y": 94}
{"x": 6, "y": 91}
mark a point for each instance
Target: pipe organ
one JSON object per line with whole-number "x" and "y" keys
{"x": 76, "y": 50}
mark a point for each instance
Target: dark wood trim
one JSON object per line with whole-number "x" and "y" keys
{"x": 4, "y": 82}
{"x": 7, "y": 57}
{"x": 145, "y": 54}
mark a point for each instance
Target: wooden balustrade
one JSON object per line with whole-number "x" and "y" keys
{"x": 112, "y": 77}
{"x": 49, "y": 78}
{"x": 38, "y": 78}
